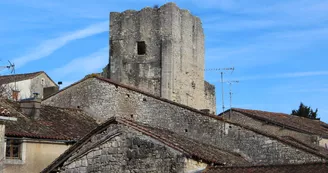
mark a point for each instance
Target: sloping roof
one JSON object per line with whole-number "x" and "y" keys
{"x": 54, "y": 123}
{"x": 191, "y": 148}
{"x": 297, "y": 123}
{"x": 19, "y": 77}
{"x": 195, "y": 149}
{"x": 301, "y": 168}
{"x": 311, "y": 150}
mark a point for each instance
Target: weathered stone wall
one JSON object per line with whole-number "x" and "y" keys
{"x": 128, "y": 152}
{"x": 271, "y": 129}
{"x": 103, "y": 100}
{"x": 40, "y": 82}
{"x": 126, "y": 66}
{"x": 210, "y": 99}
{"x": 173, "y": 65}
{"x": 2, "y": 145}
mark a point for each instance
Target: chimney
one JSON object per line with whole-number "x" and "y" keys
{"x": 31, "y": 107}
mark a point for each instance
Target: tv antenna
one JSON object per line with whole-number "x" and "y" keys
{"x": 11, "y": 67}
{"x": 221, "y": 72}
{"x": 230, "y": 93}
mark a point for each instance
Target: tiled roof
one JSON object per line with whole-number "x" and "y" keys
{"x": 302, "y": 168}
{"x": 4, "y": 112}
{"x": 18, "y": 77}
{"x": 195, "y": 149}
{"x": 191, "y": 148}
{"x": 302, "y": 124}
{"x": 286, "y": 141}
{"x": 53, "y": 123}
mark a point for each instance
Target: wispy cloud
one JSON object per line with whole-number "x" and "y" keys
{"x": 283, "y": 75}
{"x": 79, "y": 67}
{"x": 47, "y": 47}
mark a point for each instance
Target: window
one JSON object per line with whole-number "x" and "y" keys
{"x": 141, "y": 46}
{"x": 13, "y": 149}
{"x": 42, "y": 81}
{"x": 15, "y": 94}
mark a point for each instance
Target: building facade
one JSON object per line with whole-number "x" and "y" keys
{"x": 104, "y": 99}
{"x": 161, "y": 51}
{"x": 39, "y": 134}
{"x": 22, "y": 86}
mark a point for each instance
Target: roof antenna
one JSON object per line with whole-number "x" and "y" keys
{"x": 221, "y": 72}
{"x": 230, "y": 94}
{"x": 12, "y": 67}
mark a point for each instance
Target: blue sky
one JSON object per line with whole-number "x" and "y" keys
{"x": 278, "y": 47}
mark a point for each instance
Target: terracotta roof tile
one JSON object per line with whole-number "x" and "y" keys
{"x": 54, "y": 123}
{"x": 194, "y": 149}
{"x": 289, "y": 121}
{"x": 301, "y": 168}
{"x": 18, "y": 77}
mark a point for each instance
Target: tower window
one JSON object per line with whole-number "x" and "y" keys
{"x": 141, "y": 46}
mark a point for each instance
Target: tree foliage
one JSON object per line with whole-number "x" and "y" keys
{"x": 305, "y": 111}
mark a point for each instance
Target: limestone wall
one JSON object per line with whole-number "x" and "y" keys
{"x": 173, "y": 65}
{"x": 103, "y": 100}
{"x": 271, "y": 129}
{"x": 128, "y": 152}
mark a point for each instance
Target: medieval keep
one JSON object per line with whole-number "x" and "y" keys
{"x": 161, "y": 50}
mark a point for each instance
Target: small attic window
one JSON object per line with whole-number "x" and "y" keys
{"x": 141, "y": 46}
{"x": 42, "y": 81}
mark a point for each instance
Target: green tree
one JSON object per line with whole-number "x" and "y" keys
{"x": 305, "y": 111}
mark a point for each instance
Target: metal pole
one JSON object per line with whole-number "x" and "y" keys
{"x": 230, "y": 100}
{"x": 222, "y": 92}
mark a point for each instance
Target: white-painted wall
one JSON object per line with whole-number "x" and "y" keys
{"x": 24, "y": 88}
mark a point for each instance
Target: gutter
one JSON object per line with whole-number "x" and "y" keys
{"x": 8, "y": 118}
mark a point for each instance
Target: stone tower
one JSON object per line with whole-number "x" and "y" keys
{"x": 161, "y": 51}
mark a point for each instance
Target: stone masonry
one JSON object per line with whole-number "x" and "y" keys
{"x": 128, "y": 152}
{"x": 2, "y": 145}
{"x": 103, "y": 99}
{"x": 161, "y": 51}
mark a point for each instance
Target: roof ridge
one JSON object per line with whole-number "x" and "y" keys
{"x": 272, "y": 120}
{"x": 185, "y": 107}
{"x": 141, "y": 128}
{"x": 37, "y": 72}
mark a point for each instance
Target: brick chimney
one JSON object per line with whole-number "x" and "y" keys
{"x": 31, "y": 107}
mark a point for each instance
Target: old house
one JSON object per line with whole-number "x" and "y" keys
{"x": 301, "y": 129}
{"x": 103, "y": 98}
{"x": 22, "y": 86}
{"x": 40, "y": 134}
{"x": 121, "y": 145}
{"x": 4, "y": 116}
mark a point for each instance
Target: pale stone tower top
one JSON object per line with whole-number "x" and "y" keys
{"x": 161, "y": 51}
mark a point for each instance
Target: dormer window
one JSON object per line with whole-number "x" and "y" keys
{"x": 141, "y": 47}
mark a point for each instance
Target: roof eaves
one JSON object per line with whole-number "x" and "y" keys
{"x": 279, "y": 139}
{"x": 63, "y": 157}
{"x": 273, "y": 122}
